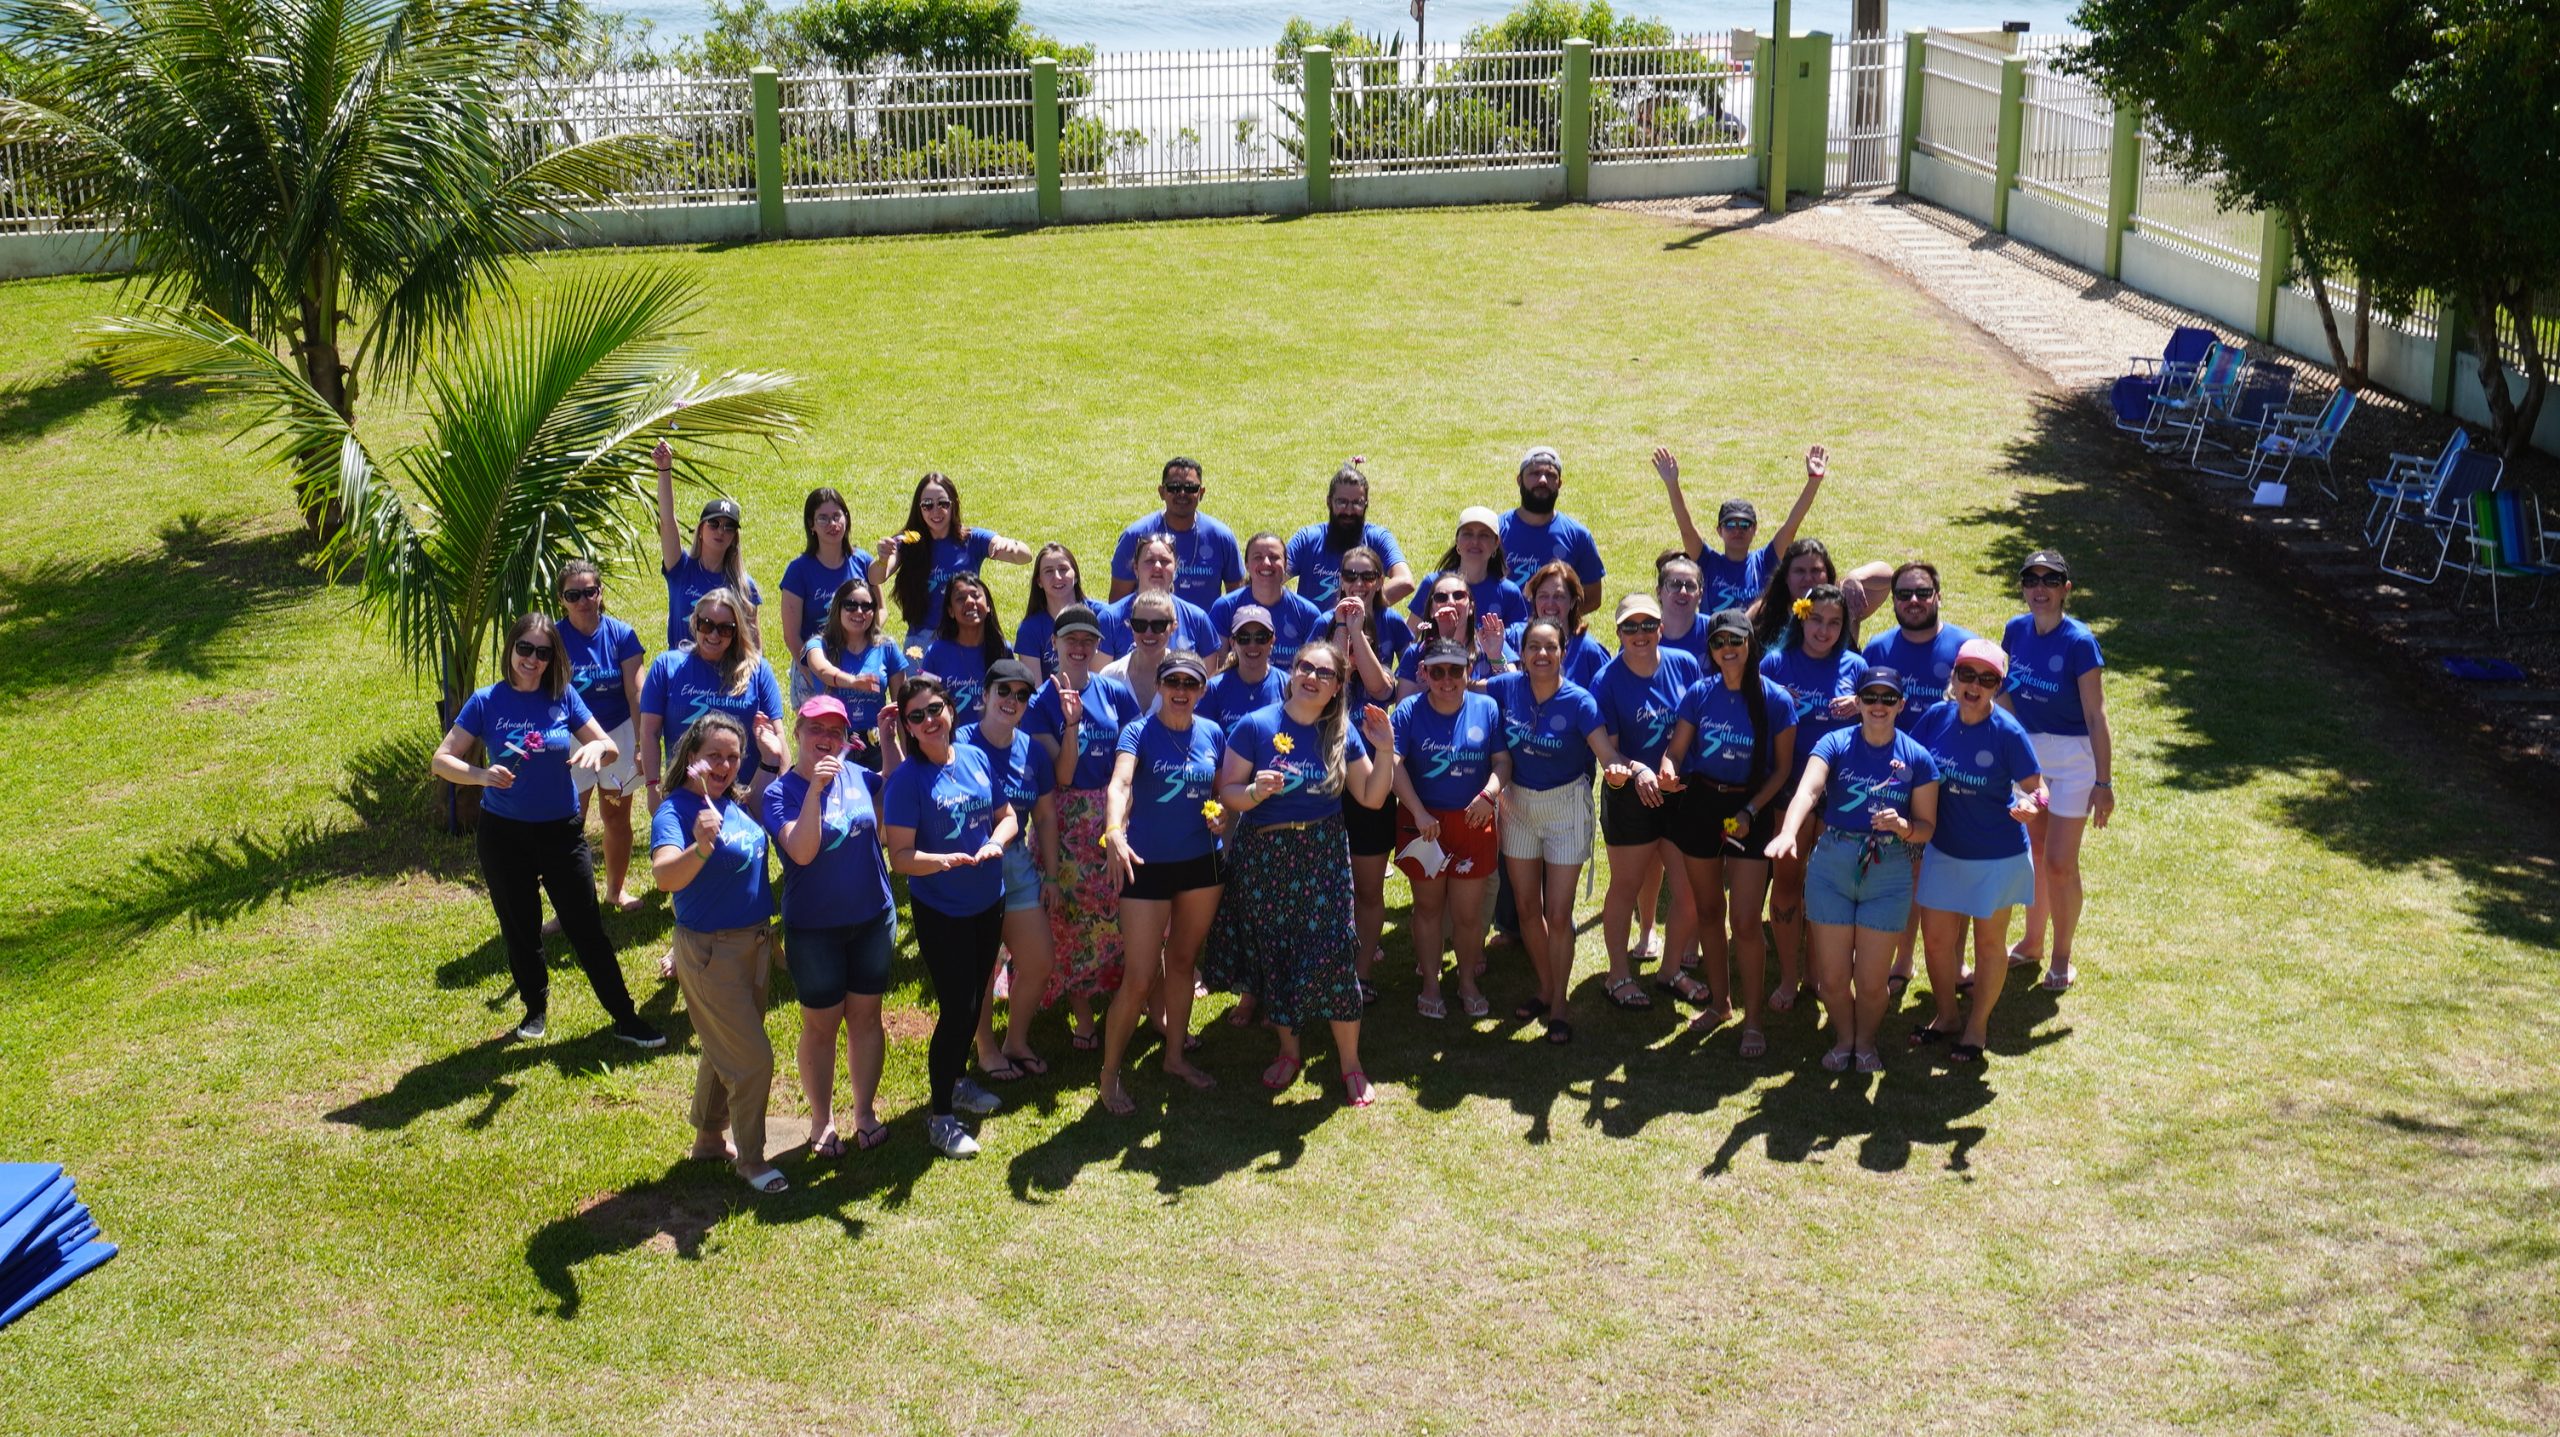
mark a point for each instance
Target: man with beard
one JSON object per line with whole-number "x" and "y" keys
{"x": 1922, "y": 647}
{"x": 1535, "y": 535}
{"x": 1315, "y": 552}
{"x": 1207, "y": 559}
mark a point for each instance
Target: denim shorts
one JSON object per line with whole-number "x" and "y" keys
{"x": 1021, "y": 878}
{"x": 828, "y": 963}
{"x": 1842, "y": 888}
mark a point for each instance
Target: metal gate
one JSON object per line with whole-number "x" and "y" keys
{"x": 1866, "y": 113}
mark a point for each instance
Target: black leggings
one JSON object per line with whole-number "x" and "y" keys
{"x": 960, "y": 953}
{"x": 520, "y": 862}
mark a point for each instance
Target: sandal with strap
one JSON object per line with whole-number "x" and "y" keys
{"x": 1754, "y": 1043}
{"x": 1684, "y": 987}
{"x": 1965, "y": 1053}
{"x": 871, "y": 1137}
{"x": 1287, "y": 1067}
{"x": 1431, "y": 1005}
{"x": 1628, "y": 993}
{"x": 1356, "y": 1089}
{"x": 1476, "y": 1006}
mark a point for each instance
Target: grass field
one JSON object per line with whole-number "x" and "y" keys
{"x": 2287, "y": 1159}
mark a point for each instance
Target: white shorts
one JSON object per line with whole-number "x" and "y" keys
{"x": 1553, "y": 824}
{"x": 620, "y": 777}
{"x": 2070, "y": 771}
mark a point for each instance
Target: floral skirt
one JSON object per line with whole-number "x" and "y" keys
{"x": 1085, "y": 926}
{"x": 1290, "y": 943}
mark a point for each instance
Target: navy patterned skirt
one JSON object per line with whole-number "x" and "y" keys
{"x": 1284, "y": 932}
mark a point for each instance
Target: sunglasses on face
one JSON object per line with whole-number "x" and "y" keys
{"x": 580, "y": 596}
{"x": 1183, "y": 683}
{"x": 2042, "y": 579}
{"x": 1256, "y": 639}
{"x": 731, "y": 525}
{"x": 1360, "y": 576}
{"x": 1880, "y": 697}
{"x": 1680, "y": 586}
{"x": 1984, "y": 678}
{"x": 1015, "y": 692}
{"x": 715, "y": 626}
{"x": 1149, "y": 626}
{"x": 931, "y": 505}
{"x": 1442, "y": 673}
{"x": 860, "y": 606}
{"x": 1909, "y": 596}
{"x": 930, "y": 710}
{"x": 1741, "y": 524}
{"x": 1641, "y": 626}
{"x": 1318, "y": 671}
{"x": 1183, "y": 488}
{"x": 1728, "y": 641}
{"x": 527, "y": 650}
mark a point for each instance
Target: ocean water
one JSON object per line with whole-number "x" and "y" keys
{"x": 1229, "y": 24}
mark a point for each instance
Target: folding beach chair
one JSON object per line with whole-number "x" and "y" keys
{"x": 2183, "y": 415}
{"x": 2174, "y": 373}
{"x": 2412, "y": 479}
{"x": 2508, "y": 542}
{"x": 2301, "y": 436}
{"x": 2448, "y": 518}
{"x": 2262, "y": 398}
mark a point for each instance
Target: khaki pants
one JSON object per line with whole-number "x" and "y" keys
{"x": 724, "y": 977}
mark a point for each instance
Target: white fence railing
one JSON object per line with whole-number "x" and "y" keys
{"x": 1185, "y": 117}
{"x": 1474, "y": 112}
{"x": 1959, "y": 102}
{"x": 2180, "y": 209}
{"x": 1677, "y": 101}
{"x": 2066, "y": 139}
{"x": 894, "y": 132}
{"x": 709, "y": 122}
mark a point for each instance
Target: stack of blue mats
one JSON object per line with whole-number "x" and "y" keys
{"x": 46, "y": 1238}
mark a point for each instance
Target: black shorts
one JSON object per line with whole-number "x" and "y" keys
{"x": 1700, "y": 828}
{"x": 1167, "y": 879}
{"x": 1372, "y": 831}
{"x": 1625, "y": 822}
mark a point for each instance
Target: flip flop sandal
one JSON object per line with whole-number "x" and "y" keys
{"x": 1190, "y": 1042}
{"x": 1288, "y": 1068}
{"x": 1368, "y": 995}
{"x": 1530, "y": 1009}
{"x": 1476, "y": 1007}
{"x": 1965, "y": 1053}
{"x": 1923, "y": 1037}
{"x": 1559, "y": 1032}
{"x": 829, "y": 1146}
{"x": 1431, "y": 1007}
{"x": 871, "y": 1137}
{"x": 1002, "y": 1072}
{"x": 1896, "y": 984}
{"x": 2057, "y": 980}
{"x": 1356, "y": 1089}
{"x": 1030, "y": 1063}
{"x": 1754, "y": 1043}
{"x": 1782, "y": 1001}
{"x": 1084, "y": 1042}
{"x": 2024, "y": 960}
{"x": 770, "y": 1180}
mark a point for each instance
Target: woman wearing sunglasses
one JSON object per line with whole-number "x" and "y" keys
{"x": 1639, "y": 693}
{"x": 1816, "y": 660}
{"x": 1294, "y": 947}
{"x": 2057, "y": 688}
{"x": 1679, "y": 586}
{"x": 1877, "y": 788}
{"x": 1976, "y": 866}
{"x": 1552, "y": 727}
{"x": 1148, "y": 621}
{"x": 917, "y": 563}
{"x": 722, "y": 672}
{"x": 605, "y": 662}
{"x": 1363, "y": 622}
{"x": 1729, "y": 759}
{"x": 1251, "y": 680}
{"x": 1027, "y": 773}
{"x": 1451, "y": 768}
{"x": 716, "y": 559}
{"x": 536, "y": 732}
{"x": 1450, "y": 613}
{"x": 1162, "y": 838}
{"x": 945, "y": 821}
{"x": 856, "y": 665}
{"x": 1077, "y": 717}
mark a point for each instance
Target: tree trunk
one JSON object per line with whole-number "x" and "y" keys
{"x": 2364, "y": 332}
{"x": 2493, "y": 370}
{"x": 2537, "y": 375}
{"x": 2350, "y": 369}
{"x": 325, "y": 368}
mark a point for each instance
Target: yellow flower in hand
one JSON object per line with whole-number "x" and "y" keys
{"x": 1284, "y": 743}
{"x": 1733, "y": 826}
{"x": 909, "y": 537}
{"x": 915, "y": 653}
{"x": 1212, "y": 809}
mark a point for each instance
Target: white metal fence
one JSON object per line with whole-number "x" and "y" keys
{"x": 1177, "y": 117}
{"x": 2066, "y": 140}
{"x": 1475, "y": 111}
{"x": 1866, "y": 112}
{"x": 895, "y": 132}
{"x": 708, "y": 121}
{"x": 1676, "y": 101}
{"x": 2179, "y": 209}
{"x": 1959, "y": 102}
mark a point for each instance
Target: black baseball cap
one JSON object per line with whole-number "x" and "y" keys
{"x": 1737, "y": 509}
{"x": 721, "y": 508}
{"x": 1010, "y": 671}
{"x": 2047, "y": 559}
{"x": 1444, "y": 651}
{"x": 1077, "y": 619}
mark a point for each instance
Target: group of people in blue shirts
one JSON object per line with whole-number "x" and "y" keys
{"x": 1200, "y": 776}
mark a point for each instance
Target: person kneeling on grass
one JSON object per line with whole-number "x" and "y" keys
{"x": 1877, "y": 788}
{"x": 708, "y": 851}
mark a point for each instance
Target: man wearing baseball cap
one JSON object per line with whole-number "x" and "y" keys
{"x": 1735, "y": 573}
{"x": 1534, "y": 535}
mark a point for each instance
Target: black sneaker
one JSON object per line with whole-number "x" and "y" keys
{"x": 637, "y": 1032}
{"x": 532, "y": 1028}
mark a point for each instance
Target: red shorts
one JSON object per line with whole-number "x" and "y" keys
{"x": 1473, "y": 852}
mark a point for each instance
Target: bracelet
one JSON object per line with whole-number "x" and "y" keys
{"x": 2103, "y": 784}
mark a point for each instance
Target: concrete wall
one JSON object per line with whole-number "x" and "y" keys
{"x": 1951, "y": 186}
{"x": 2066, "y": 230}
{"x": 1528, "y": 184}
{"x": 2185, "y": 279}
{"x": 78, "y": 252}
{"x": 2397, "y": 360}
{"x": 1670, "y": 179}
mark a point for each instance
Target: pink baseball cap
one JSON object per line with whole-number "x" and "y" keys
{"x": 1986, "y": 653}
{"x": 825, "y": 706}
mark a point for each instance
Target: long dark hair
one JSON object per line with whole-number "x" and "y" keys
{"x": 818, "y": 499}
{"x": 1775, "y": 608}
{"x": 908, "y": 686}
{"x": 1429, "y": 628}
{"x": 1370, "y": 606}
{"x": 831, "y": 635}
{"x": 991, "y": 644}
{"x": 555, "y": 669}
{"x": 914, "y": 583}
{"x": 1040, "y": 594}
{"x": 1755, "y": 702}
{"x": 1824, "y": 594}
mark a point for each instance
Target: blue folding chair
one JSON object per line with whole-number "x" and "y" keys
{"x": 2263, "y": 397}
{"x": 2411, "y": 479}
{"x": 2302, "y": 436}
{"x": 2183, "y": 415}
{"x": 2507, "y": 544}
{"x": 2174, "y": 372}
{"x": 2448, "y": 518}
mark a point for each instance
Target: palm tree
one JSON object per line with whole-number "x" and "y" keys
{"x": 335, "y": 176}
{"x": 539, "y": 430}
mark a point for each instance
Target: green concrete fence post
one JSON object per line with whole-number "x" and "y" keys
{"x": 1044, "y": 139}
{"x": 1915, "y": 74}
{"x": 1775, "y": 71}
{"x": 1575, "y": 136}
{"x": 767, "y": 84}
{"x": 2275, "y": 266}
{"x": 1316, "y": 80}
{"x": 2124, "y": 184}
{"x": 2013, "y": 126}
{"x": 1809, "y": 90}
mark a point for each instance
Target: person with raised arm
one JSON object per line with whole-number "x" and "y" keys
{"x": 1639, "y": 693}
{"x": 715, "y": 560}
{"x": 856, "y": 664}
{"x": 1317, "y": 552}
{"x": 1208, "y": 561}
{"x": 1077, "y": 718}
{"x": 1535, "y": 535}
{"x": 1027, "y": 774}
{"x": 1805, "y": 566}
{"x": 1451, "y": 768}
{"x": 1453, "y": 616}
{"x": 1294, "y": 945}
{"x": 605, "y": 661}
{"x": 2057, "y": 688}
{"x": 1552, "y": 727}
{"x": 1293, "y": 619}
{"x": 1977, "y": 867}
{"x": 945, "y": 822}
{"x": 826, "y": 563}
{"x": 708, "y": 851}
{"x": 839, "y": 921}
{"x": 918, "y": 562}
{"x": 1734, "y": 572}
{"x": 1877, "y": 788}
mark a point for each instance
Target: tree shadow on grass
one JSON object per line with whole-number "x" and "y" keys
{"x": 70, "y": 622}
{"x": 32, "y": 409}
{"x": 2253, "y": 682}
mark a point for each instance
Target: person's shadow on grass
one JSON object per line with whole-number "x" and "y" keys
{"x": 1181, "y": 1138}
{"x": 487, "y": 1070}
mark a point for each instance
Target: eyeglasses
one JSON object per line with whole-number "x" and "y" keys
{"x": 1641, "y": 626}
{"x": 2041, "y": 579}
{"x": 580, "y": 596}
{"x": 729, "y": 524}
{"x": 1183, "y": 682}
{"x": 1884, "y": 697}
{"x": 859, "y": 606}
{"x": 1914, "y": 595}
{"x": 1184, "y": 488}
{"x": 1361, "y": 576}
{"x": 932, "y": 709}
{"x": 529, "y": 650}
{"x": 1016, "y": 692}
{"x": 1255, "y": 637}
{"x": 1149, "y": 626}
{"x": 1982, "y": 677}
{"x": 1728, "y": 641}
{"x": 1318, "y": 671}
{"x": 930, "y": 505}
{"x": 715, "y": 626}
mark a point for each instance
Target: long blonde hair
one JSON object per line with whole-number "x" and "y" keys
{"x": 1334, "y": 722}
{"x": 745, "y": 651}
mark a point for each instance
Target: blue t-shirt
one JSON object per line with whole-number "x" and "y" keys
{"x": 2045, "y": 670}
{"x": 1394, "y": 637}
{"x": 1977, "y": 766}
{"x": 1733, "y": 583}
{"x": 1023, "y": 772}
{"x": 1529, "y": 547}
{"x": 1550, "y": 742}
{"x": 595, "y": 666}
{"x": 1584, "y": 656}
{"x": 1177, "y": 773}
{"x": 884, "y": 661}
{"x": 680, "y": 688}
{"x": 848, "y": 882}
{"x": 1692, "y": 643}
{"x": 1497, "y": 595}
{"x": 1109, "y": 706}
{"x": 1814, "y": 683}
{"x": 1866, "y": 778}
{"x": 687, "y": 582}
{"x": 1448, "y": 755}
{"x": 1206, "y": 556}
{"x": 1720, "y": 752}
{"x": 1293, "y": 619}
{"x": 731, "y": 889}
{"x": 533, "y": 734}
{"x": 963, "y": 671}
{"x": 961, "y": 554}
{"x": 816, "y": 584}
{"x": 1319, "y": 566}
{"x": 1301, "y": 798}
{"x": 1193, "y": 629}
{"x": 952, "y": 808}
{"x": 1640, "y": 712}
{"x": 1230, "y": 697}
{"x": 1925, "y": 669}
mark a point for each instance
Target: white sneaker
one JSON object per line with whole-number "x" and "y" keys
{"x": 949, "y": 1138}
{"x": 968, "y": 1097}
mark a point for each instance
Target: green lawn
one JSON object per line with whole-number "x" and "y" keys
{"x": 2284, "y": 1160}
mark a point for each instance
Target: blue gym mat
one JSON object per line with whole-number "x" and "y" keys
{"x": 47, "y": 1238}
